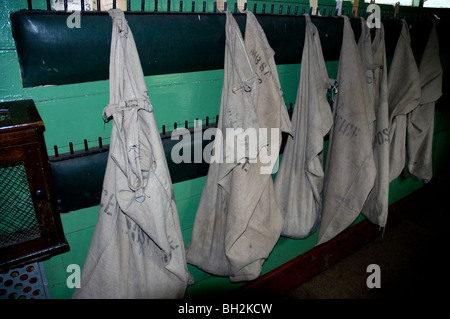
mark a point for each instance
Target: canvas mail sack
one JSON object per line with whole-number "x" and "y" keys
{"x": 404, "y": 96}
{"x": 373, "y": 55}
{"x": 137, "y": 250}
{"x": 420, "y": 122}
{"x": 238, "y": 222}
{"x": 299, "y": 180}
{"x": 350, "y": 167}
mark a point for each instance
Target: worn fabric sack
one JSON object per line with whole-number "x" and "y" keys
{"x": 373, "y": 54}
{"x": 299, "y": 180}
{"x": 137, "y": 250}
{"x": 238, "y": 221}
{"x": 420, "y": 122}
{"x": 350, "y": 167}
{"x": 404, "y": 96}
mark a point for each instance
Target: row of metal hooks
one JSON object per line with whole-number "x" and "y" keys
{"x": 331, "y": 11}
{"x": 164, "y": 134}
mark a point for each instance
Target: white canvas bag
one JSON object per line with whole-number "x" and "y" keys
{"x": 420, "y": 122}
{"x": 238, "y": 221}
{"x": 137, "y": 250}
{"x": 299, "y": 180}
{"x": 404, "y": 97}
{"x": 350, "y": 167}
{"x": 373, "y": 54}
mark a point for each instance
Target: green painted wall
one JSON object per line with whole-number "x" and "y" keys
{"x": 72, "y": 113}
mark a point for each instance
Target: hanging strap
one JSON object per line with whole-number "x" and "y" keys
{"x": 124, "y": 110}
{"x": 248, "y": 75}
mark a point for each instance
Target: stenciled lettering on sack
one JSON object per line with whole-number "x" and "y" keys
{"x": 136, "y": 233}
{"x": 263, "y": 67}
{"x": 109, "y": 204}
{"x": 381, "y": 137}
{"x": 345, "y": 127}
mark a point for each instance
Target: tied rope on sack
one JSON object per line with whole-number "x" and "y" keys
{"x": 137, "y": 249}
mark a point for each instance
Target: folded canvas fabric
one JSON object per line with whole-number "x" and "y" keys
{"x": 420, "y": 122}
{"x": 238, "y": 222}
{"x": 137, "y": 250}
{"x": 350, "y": 167}
{"x": 299, "y": 180}
{"x": 373, "y": 54}
{"x": 404, "y": 96}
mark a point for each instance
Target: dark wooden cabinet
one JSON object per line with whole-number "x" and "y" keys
{"x": 30, "y": 225}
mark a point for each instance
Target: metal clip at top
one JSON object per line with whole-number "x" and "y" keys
{"x": 332, "y": 92}
{"x": 245, "y": 86}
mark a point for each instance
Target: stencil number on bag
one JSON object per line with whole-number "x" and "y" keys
{"x": 345, "y": 127}
{"x": 263, "y": 67}
{"x": 381, "y": 137}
